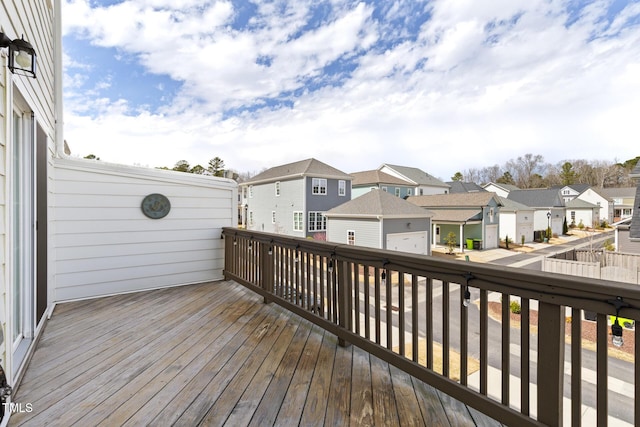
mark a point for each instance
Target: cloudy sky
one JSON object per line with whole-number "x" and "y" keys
{"x": 437, "y": 84}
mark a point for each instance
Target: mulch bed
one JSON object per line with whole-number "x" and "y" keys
{"x": 589, "y": 328}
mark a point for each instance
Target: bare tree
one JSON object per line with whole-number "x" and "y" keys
{"x": 524, "y": 168}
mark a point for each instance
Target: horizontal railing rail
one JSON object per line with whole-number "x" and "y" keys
{"x": 436, "y": 319}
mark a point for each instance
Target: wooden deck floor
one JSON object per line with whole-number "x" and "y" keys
{"x": 214, "y": 354}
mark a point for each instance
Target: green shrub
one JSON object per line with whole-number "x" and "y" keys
{"x": 515, "y": 308}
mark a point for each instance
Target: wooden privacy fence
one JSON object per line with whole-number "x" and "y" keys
{"x": 426, "y": 315}
{"x": 610, "y": 266}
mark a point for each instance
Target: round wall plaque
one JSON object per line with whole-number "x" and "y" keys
{"x": 156, "y": 206}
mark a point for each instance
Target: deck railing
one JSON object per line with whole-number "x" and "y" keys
{"x": 434, "y": 319}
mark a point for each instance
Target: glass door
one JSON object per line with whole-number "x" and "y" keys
{"x": 23, "y": 238}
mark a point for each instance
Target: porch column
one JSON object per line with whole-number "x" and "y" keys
{"x": 462, "y": 238}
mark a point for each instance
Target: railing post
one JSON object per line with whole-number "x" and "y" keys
{"x": 266, "y": 269}
{"x": 228, "y": 256}
{"x": 551, "y": 330}
{"x": 344, "y": 318}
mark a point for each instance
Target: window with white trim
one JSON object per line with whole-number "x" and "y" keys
{"x": 342, "y": 187}
{"x": 384, "y": 188}
{"x": 398, "y": 192}
{"x": 298, "y": 221}
{"x": 251, "y": 191}
{"x": 317, "y": 221}
{"x": 351, "y": 237}
{"x": 277, "y": 188}
{"x": 251, "y": 218}
{"x": 273, "y": 217}
{"x": 319, "y": 186}
{"x": 409, "y": 192}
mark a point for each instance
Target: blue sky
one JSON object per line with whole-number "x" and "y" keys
{"x": 440, "y": 85}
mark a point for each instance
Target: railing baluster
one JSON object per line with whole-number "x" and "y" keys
{"x": 367, "y": 305}
{"x": 356, "y": 298}
{"x": 550, "y": 363}
{"x": 464, "y": 332}
{"x": 636, "y": 370}
{"x": 429, "y": 321}
{"x": 401, "y": 313}
{"x": 506, "y": 350}
{"x": 377, "y": 308}
{"x": 389, "y": 298}
{"x": 602, "y": 392}
{"x": 446, "y": 340}
{"x": 525, "y": 358}
{"x": 484, "y": 341}
{"x": 415, "y": 310}
{"x": 323, "y": 294}
{"x": 576, "y": 367}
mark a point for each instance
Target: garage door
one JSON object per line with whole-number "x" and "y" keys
{"x": 415, "y": 243}
{"x": 491, "y": 237}
{"x": 526, "y": 231}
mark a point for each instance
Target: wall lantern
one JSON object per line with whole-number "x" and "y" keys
{"x": 22, "y": 56}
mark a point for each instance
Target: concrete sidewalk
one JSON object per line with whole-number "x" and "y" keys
{"x": 527, "y": 254}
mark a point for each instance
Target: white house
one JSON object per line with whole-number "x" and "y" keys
{"x": 588, "y": 194}
{"x": 516, "y": 221}
{"x": 423, "y": 183}
{"x": 502, "y": 190}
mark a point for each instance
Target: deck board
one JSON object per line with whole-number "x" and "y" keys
{"x": 213, "y": 354}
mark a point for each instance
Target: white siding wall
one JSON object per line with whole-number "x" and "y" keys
{"x": 264, "y": 202}
{"x": 104, "y": 244}
{"x": 35, "y": 20}
{"x": 367, "y": 231}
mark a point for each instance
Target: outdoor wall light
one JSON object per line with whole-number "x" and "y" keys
{"x": 22, "y": 56}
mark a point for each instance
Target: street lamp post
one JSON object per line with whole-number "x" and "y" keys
{"x": 548, "y": 225}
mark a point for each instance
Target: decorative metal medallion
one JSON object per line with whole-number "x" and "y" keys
{"x": 156, "y": 206}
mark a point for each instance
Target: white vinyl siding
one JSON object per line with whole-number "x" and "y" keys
{"x": 367, "y": 231}
{"x": 104, "y": 244}
{"x": 264, "y": 202}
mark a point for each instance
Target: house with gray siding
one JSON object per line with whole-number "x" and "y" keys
{"x": 365, "y": 181}
{"x": 423, "y": 183}
{"x": 473, "y": 218}
{"x": 380, "y": 220}
{"x": 292, "y": 199}
{"x": 628, "y": 232}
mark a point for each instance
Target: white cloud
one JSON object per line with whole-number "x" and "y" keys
{"x": 483, "y": 82}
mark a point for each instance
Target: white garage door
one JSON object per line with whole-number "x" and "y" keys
{"x": 526, "y": 231}
{"x": 415, "y": 243}
{"x": 491, "y": 237}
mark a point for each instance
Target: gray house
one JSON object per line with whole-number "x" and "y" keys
{"x": 293, "y": 198}
{"x": 628, "y": 234}
{"x": 472, "y": 217}
{"x": 380, "y": 220}
{"x": 365, "y": 181}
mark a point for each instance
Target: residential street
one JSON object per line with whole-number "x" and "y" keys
{"x": 620, "y": 392}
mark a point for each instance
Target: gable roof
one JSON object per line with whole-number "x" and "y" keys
{"x": 509, "y": 205}
{"x": 537, "y": 197}
{"x": 455, "y": 200}
{"x": 616, "y": 192}
{"x": 308, "y": 167}
{"x": 376, "y": 177}
{"x": 505, "y": 187}
{"x": 378, "y": 203}
{"x": 581, "y": 204}
{"x": 578, "y": 188}
{"x": 464, "y": 187}
{"x": 418, "y": 176}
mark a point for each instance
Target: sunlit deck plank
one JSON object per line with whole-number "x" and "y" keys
{"x": 212, "y": 354}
